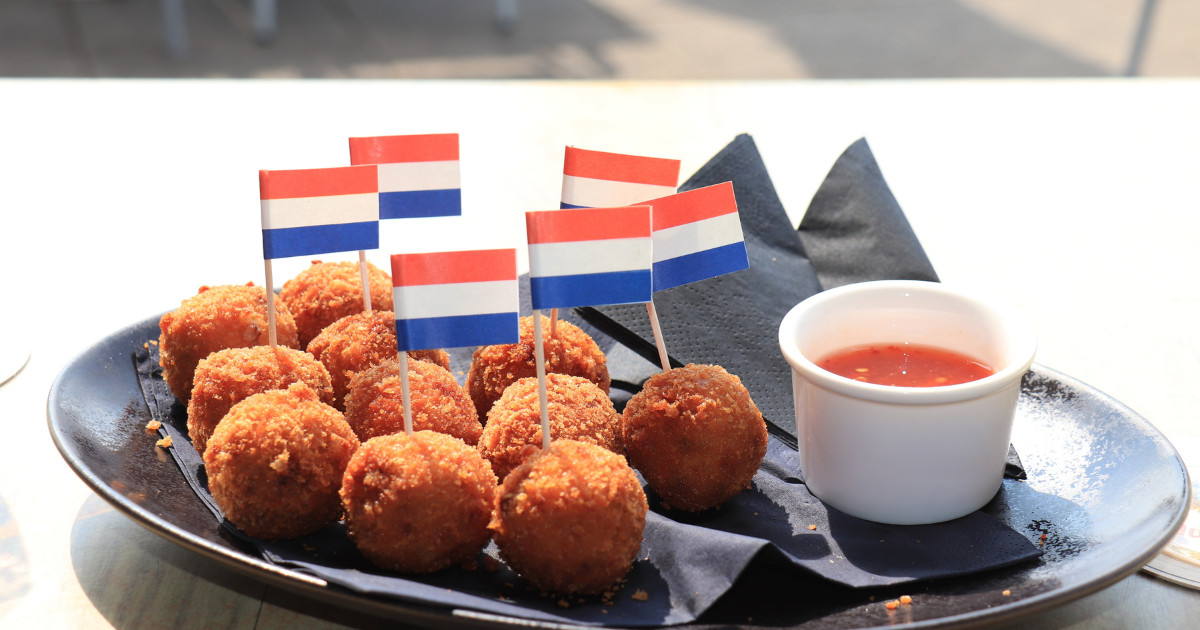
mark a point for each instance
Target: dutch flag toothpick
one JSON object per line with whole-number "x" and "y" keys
{"x": 452, "y": 299}
{"x": 419, "y": 175}
{"x": 318, "y": 211}
{"x": 589, "y": 256}
{"x": 596, "y": 179}
{"x": 455, "y": 299}
{"x": 585, "y": 257}
{"x": 697, "y": 235}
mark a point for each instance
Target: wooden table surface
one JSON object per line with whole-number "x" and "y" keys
{"x": 1078, "y": 200}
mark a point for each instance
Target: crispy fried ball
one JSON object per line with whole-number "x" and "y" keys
{"x": 578, "y": 410}
{"x": 357, "y": 342}
{"x": 275, "y": 463}
{"x": 227, "y": 377}
{"x": 224, "y": 316}
{"x": 375, "y": 404}
{"x": 695, "y": 435}
{"x": 418, "y": 503}
{"x": 570, "y": 518}
{"x": 329, "y": 291}
{"x": 570, "y": 351}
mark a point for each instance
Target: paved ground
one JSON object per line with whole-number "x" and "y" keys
{"x": 605, "y": 39}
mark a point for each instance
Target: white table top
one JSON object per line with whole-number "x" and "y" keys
{"x": 1075, "y": 199}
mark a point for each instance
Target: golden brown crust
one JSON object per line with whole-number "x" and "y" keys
{"x": 578, "y": 410}
{"x": 329, "y": 291}
{"x": 418, "y": 503}
{"x": 570, "y": 351}
{"x": 275, "y": 463}
{"x": 695, "y": 435}
{"x": 219, "y": 317}
{"x": 436, "y": 356}
{"x": 375, "y": 404}
{"x": 570, "y": 519}
{"x": 229, "y": 376}
{"x": 358, "y": 342}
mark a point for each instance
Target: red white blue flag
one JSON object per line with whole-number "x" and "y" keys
{"x": 697, "y": 235}
{"x": 319, "y": 211}
{"x": 455, "y": 299}
{"x": 595, "y": 179}
{"x": 589, "y": 257}
{"x": 419, "y": 175}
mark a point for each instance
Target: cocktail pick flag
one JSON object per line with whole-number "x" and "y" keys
{"x": 697, "y": 235}
{"x": 450, "y": 300}
{"x": 585, "y": 257}
{"x": 589, "y": 256}
{"x": 418, "y": 176}
{"x": 595, "y": 179}
{"x": 316, "y": 211}
{"x": 455, "y": 299}
{"x": 319, "y": 210}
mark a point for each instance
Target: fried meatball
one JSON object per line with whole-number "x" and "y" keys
{"x": 578, "y": 410}
{"x": 418, "y": 503}
{"x": 570, "y": 518}
{"x": 329, "y": 291}
{"x": 224, "y": 316}
{"x": 357, "y": 342}
{"x": 570, "y": 351}
{"x": 275, "y": 463}
{"x": 375, "y": 403}
{"x": 695, "y": 435}
{"x": 227, "y": 377}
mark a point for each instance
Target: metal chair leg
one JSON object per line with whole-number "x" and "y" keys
{"x": 1139, "y": 41}
{"x": 264, "y": 21}
{"x": 506, "y": 15}
{"x": 175, "y": 29}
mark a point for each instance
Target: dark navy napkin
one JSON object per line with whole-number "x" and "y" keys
{"x": 854, "y": 229}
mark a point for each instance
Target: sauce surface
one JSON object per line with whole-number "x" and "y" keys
{"x": 904, "y": 365}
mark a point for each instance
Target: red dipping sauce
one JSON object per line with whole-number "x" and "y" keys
{"x": 905, "y": 365}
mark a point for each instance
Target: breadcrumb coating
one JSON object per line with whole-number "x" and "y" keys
{"x": 569, "y": 351}
{"x": 578, "y": 410}
{"x": 275, "y": 463}
{"x": 570, "y": 519}
{"x": 375, "y": 403}
{"x": 218, "y": 317}
{"x": 418, "y": 503}
{"x": 695, "y": 435}
{"x": 358, "y": 342}
{"x": 329, "y": 291}
{"x": 229, "y": 376}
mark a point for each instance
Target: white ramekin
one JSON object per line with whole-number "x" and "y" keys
{"x": 904, "y": 455}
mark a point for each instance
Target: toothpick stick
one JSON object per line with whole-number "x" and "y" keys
{"x": 553, "y": 322}
{"x": 366, "y": 283}
{"x": 408, "y": 429}
{"x": 270, "y": 289}
{"x": 540, "y": 362}
{"x": 658, "y": 336}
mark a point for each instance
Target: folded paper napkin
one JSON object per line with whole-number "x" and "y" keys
{"x": 776, "y": 532}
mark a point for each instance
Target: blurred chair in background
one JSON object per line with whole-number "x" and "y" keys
{"x": 263, "y": 19}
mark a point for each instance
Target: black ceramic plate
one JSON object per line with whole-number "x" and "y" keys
{"x": 1104, "y": 486}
